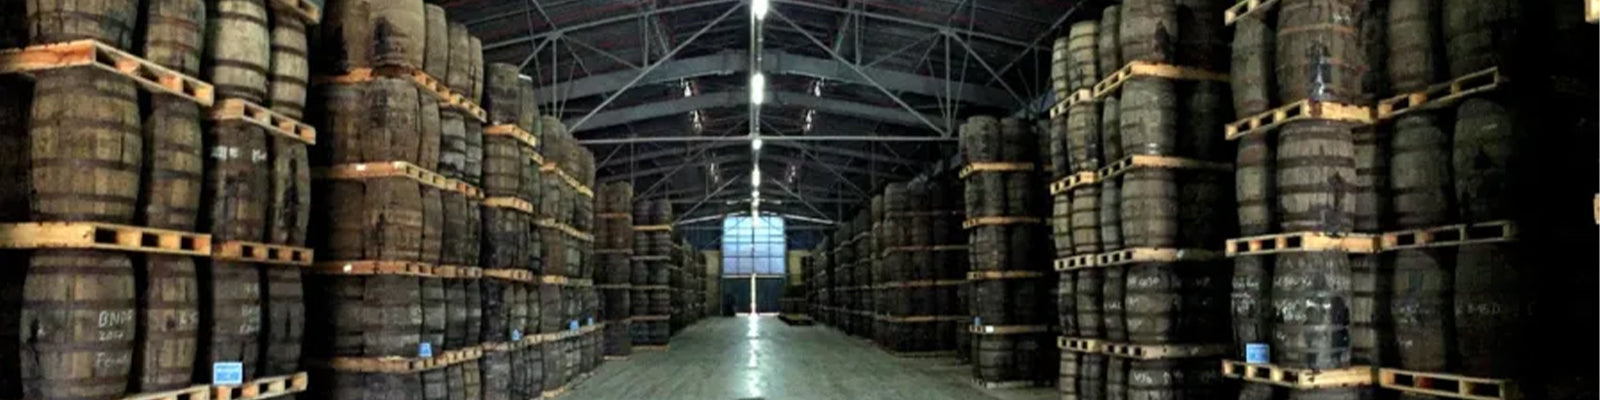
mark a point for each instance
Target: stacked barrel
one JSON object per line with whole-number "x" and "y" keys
{"x": 923, "y": 267}
{"x": 686, "y": 285}
{"x": 566, "y": 218}
{"x": 651, "y": 273}
{"x": 614, "y": 270}
{"x": 1008, "y": 292}
{"x": 117, "y": 182}
{"x": 823, "y": 283}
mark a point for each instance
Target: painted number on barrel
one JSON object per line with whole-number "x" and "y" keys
{"x": 227, "y": 373}
{"x": 425, "y": 350}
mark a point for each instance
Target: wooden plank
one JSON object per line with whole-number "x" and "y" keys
{"x": 1245, "y": 8}
{"x": 979, "y": 167}
{"x": 263, "y": 388}
{"x": 1077, "y": 96}
{"x": 1441, "y": 95}
{"x": 652, "y": 228}
{"x": 1114, "y": 81}
{"x": 991, "y": 275}
{"x": 990, "y": 221}
{"x": 271, "y": 121}
{"x": 1295, "y": 242}
{"x": 1073, "y": 181}
{"x": 514, "y": 132}
{"x": 389, "y": 169}
{"x": 375, "y": 267}
{"x": 1162, "y": 351}
{"x": 1298, "y": 111}
{"x": 94, "y": 54}
{"x": 1079, "y": 345}
{"x": 1076, "y": 262}
{"x": 103, "y": 236}
{"x": 197, "y": 392}
{"x": 1154, "y": 254}
{"x": 1448, "y": 385}
{"x": 518, "y": 275}
{"x": 1007, "y": 329}
{"x": 306, "y": 10}
{"x": 1136, "y": 162}
{"x": 263, "y": 253}
{"x": 1298, "y": 378}
{"x": 509, "y": 203}
{"x": 1450, "y": 235}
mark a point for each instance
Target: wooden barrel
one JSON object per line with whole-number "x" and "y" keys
{"x": 374, "y": 219}
{"x": 476, "y": 331}
{"x": 472, "y": 380}
{"x": 1083, "y": 136}
{"x": 1153, "y": 301}
{"x": 530, "y": 186}
{"x": 535, "y": 307}
{"x": 660, "y": 302}
{"x": 1258, "y": 391}
{"x": 112, "y": 22}
{"x": 1022, "y": 192}
{"x": 1149, "y": 31}
{"x": 457, "y": 73}
{"x": 1201, "y": 42}
{"x": 1111, "y": 129}
{"x": 505, "y": 234}
{"x": 453, "y": 234}
{"x": 1485, "y": 155}
{"x": 1369, "y": 306}
{"x": 1254, "y": 185}
{"x": 372, "y": 316}
{"x": 1149, "y": 120}
{"x": 170, "y": 190}
{"x": 1085, "y": 220}
{"x": 1315, "y": 176}
{"x": 1113, "y": 289}
{"x": 455, "y": 315}
{"x": 550, "y": 299}
{"x": 496, "y": 313}
{"x": 502, "y": 166}
{"x": 1081, "y": 46}
{"x": 980, "y": 139}
{"x": 1089, "y": 286}
{"x": 231, "y": 310}
{"x": 1018, "y": 143}
{"x": 1203, "y": 201}
{"x": 1412, "y": 44}
{"x": 393, "y": 113}
{"x": 553, "y": 359}
{"x": 289, "y": 185}
{"x": 528, "y": 119}
{"x": 1116, "y": 377}
{"x": 353, "y": 385}
{"x": 399, "y": 33}
{"x": 1061, "y": 225}
{"x": 1149, "y": 206}
{"x": 346, "y": 41}
{"x": 284, "y": 323}
{"x": 84, "y": 167}
{"x": 76, "y": 316}
{"x": 1319, "y": 54}
{"x": 238, "y": 49}
{"x": 1419, "y": 170}
{"x": 496, "y": 375}
{"x": 1251, "y": 73}
{"x": 518, "y": 382}
{"x": 504, "y": 97}
{"x": 1197, "y": 378}
{"x": 452, "y": 145}
{"x": 996, "y": 358}
{"x": 1108, "y": 52}
{"x": 1491, "y": 307}
{"x": 430, "y": 130}
{"x": 436, "y": 42}
{"x": 1067, "y": 385}
{"x": 1059, "y": 162}
{"x": 1092, "y": 377}
{"x": 1371, "y": 189}
{"x": 286, "y": 87}
{"x": 1311, "y": 295}
{"x": 170, "y": 310}
{"x": 173, "y": 36}
{"x": 475, "y": 61}
{"x": 342, "y": 116}
{"x": 1481, "y": 34}
{"x": 435, "y": 303}
{"x": 474, "y": 160}
{"x": 236, "y": 191}
{"x": 515, "y": 298}
{"x": 1251, "y": 300}
{"x": 1110, "y": 214}
{"x": 1204, "y": 112}
{"x": 1061, "y": 68}
{"x": 436, "y": 384}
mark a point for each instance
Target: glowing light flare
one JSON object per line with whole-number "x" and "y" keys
{"x": 758, "y": 88}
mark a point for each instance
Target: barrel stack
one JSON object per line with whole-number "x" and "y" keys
{"x": 613, "y": 266}
{"x": 917, "y": 314}
{"x": 105, "y": 153}
{"x": 1139, "y": 204}
{"x": 652, "y": 255}
{"x": 821, "y": 282}
{"x": 862, "y": 316}
{"x": 1007, "y": 298}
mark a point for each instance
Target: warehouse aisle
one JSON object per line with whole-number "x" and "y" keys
{"x": 763, "y": 358}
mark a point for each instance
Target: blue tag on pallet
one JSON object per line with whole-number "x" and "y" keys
{"x": 591, "y": 322}
{"x": 425, "y": 350}
{"x": 1257, "y": 353}
{"x": 976, "y": 321}
{"x": 516, "y": 335}
{"x": 572, "y": 325}
{"x": 227, "y": 373}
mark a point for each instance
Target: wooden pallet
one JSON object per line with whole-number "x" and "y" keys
{"x": 263, "y": 388}
{"x": 1115, "y": 80}
{"x": 921, "y": 354}
{"x": 306, "y": 10}
{"x": 1298, "y": 378}
{"x": 1079, "y": 345}
{"x": 1298, "y": 111}
{"x": 373, "y": 267}
{"x": 457, "y": 272}
{"x": 197, "y": 392}
{"x": 992, "y": 275}
{"x": 1078, "y": 96}
{"x": 1448, "y": 385}
{"x": 1450, "y": 235}
{"x": 102, "y": 236}
{"x": 517, "y": 275}
{"x": 628, "y": 252}
{"x": 265, "y": 118}
{"x": 1153, "y": 254}
{"x": 979, "y": 167}
{"x": 1002, "y": 385}
{"x": 515, "y": 132}
{"x": 553, "y": 393}
{"x": 1162, "y": 351}
{"x": 1244, "y": 8}
{"x": 990, "y": 221}
{"x": 447, "y": 97}
{"x": 565, "y": 229}
{"x": 568, "y": 179}
{"x": 651, "y": 287}
{"x": 94, "y": 54}
{"x": 1295, "y": 242}
{"x": 263, "y": 253}
{"x": 1007, "y": 329}
{"x": 467, "y": 189}
{"x": 510, "y": 203}
{"x": 622, "y": 286}
{"x": 390, "y": 365}
{"x": 555, "y": 280}
{"x": 1074, "y": 181}
{"x": 1146, "y": 161}
{"x": 390, "y": 169}
{"x": 1441, "y": 95}
{"x": 653, "y": 228}
{"x": 1076, "y": 262}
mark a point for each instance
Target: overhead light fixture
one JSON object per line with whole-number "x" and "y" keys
{"x": 758, "y": 88}
{"x": 755, "y": 178}
{"x": 755, "y": 144}
{"x": 755, "y": 194}
{"x": 758, "y": 8}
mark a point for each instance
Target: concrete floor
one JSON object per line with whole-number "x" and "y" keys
{"x": 762, "y": 358}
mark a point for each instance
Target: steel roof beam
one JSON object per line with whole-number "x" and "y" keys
{"x": 683, "y": 105}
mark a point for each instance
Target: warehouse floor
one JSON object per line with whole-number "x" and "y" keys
{"x": 763, "y": 358}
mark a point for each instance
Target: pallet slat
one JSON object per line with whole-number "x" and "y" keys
{"x": 1006, "y": 329}
{"x": 197, "y": 392}
{"x": 1074, "y": 181}
{"x": 375, "y": 267}
{"x": 102, "y": 236}
{"x": 990, "y": 275}
{"x": 389, "y": 169}
{"x": 273, "y": 122}
{"x": 263, "y": 253}
{"x": 1134, "y": 162}
{"x": 1450, "y": 235}
{"x": 263, "y": 388}
{"x": 1441, "y": 95}
{"x": 1298, "y": 111}
{"x": 306, "y": 10}
{"x": 989, "y": 221}
{"x": 514, "y": 132}
{"x": 1298, "y": 378}
{"x": 1245, "y": 8}
{"x": 1078, "y": 96}
{"x": 1448, "y": 385}
{"x": 1302, "y": 242}
{"x": 978, "y": 167}
{"x": 1114, "y": 81}
{"x": 92, "y": 53}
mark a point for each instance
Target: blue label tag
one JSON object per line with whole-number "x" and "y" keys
{"x": 425, "y": 350}
{"x": 591, "y": 322}
{"x": 976, "y": 321}
{"x": 1257, "y": 353}
{"x": 227, "y": 373}
{"x": 572, "y": 325}
{"x": 516, "y": 335}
